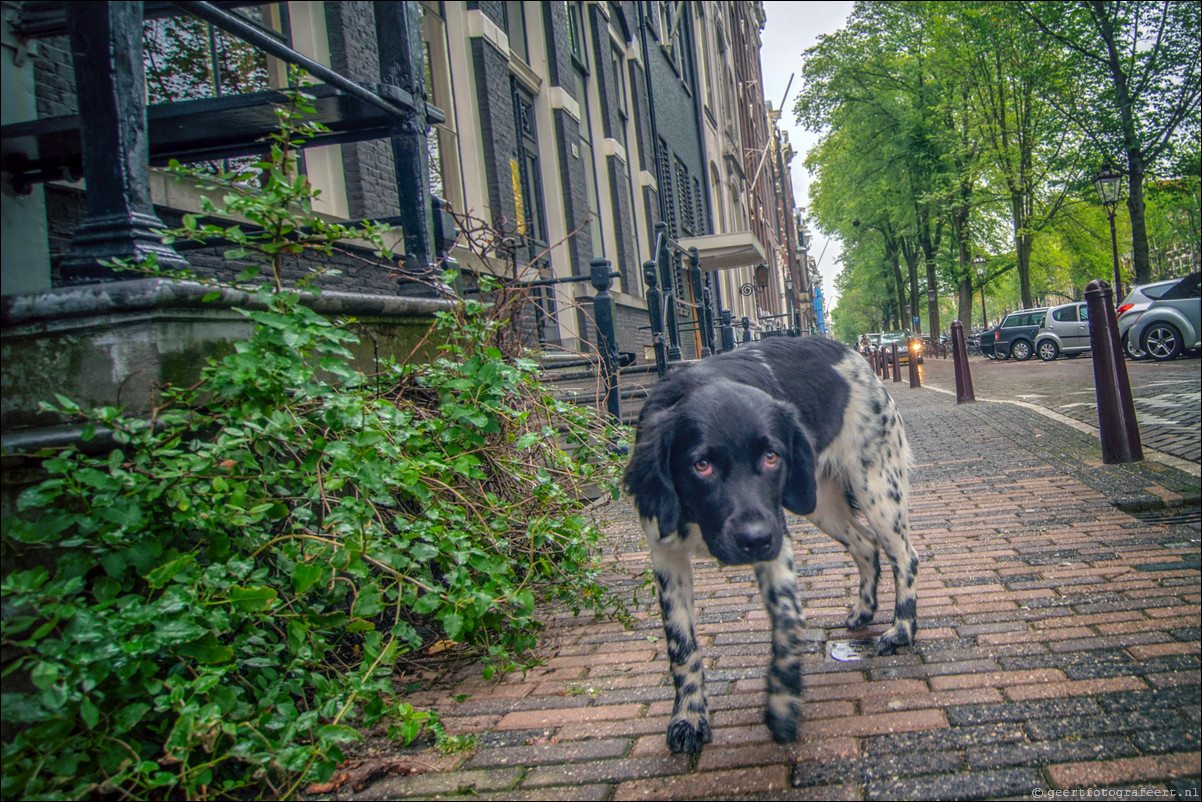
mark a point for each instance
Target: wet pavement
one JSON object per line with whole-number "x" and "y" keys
{"x": 1167, "y": 396}
{"x": 1058, "y": 648}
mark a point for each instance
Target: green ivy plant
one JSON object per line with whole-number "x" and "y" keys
{"x": 216, "y": 605}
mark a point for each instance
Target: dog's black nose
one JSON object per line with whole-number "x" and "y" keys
{"x": 755, "y": 540}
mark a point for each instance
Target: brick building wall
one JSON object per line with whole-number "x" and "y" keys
{"x": 367, "y": 166}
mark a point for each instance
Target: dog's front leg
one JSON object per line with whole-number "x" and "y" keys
{"x": 689, "y": 728}
{"x": 778, "y": 586}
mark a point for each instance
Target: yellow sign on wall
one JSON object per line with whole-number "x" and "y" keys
{"x": 515, "y": 170}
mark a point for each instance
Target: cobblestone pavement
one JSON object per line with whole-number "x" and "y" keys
{"x": 1058, "y": 649}
{"x": 1167, "y": 396}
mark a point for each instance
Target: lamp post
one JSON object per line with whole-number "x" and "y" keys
{"x": 1109, "y": 184}
{"x": 789, "y": 304}
{"x": 979, "y": 263}
{"x": 803, "y": 249}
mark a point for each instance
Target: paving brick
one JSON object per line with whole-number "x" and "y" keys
{"x": 970, "y": 785}
{"x": 432, "y": 783}
{"x": 733, "y": 782}
{"x": 882, "y": 704}
{"x": 1149, "y": 651}
{"x": 996, "y": 679}
{"x": 1124, "y": 770}
{"x": 878, "y": 724}
{"x": 1085, "y": 687}
{"x": 559, "y": 717}
{"x": 1021, "y": 711}
{"x": 606, "y": 771}
{"x": 566, "y": 752}
{"x": 1042, "y": 753}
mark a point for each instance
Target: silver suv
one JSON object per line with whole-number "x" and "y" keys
{"x": 1065, "y": 330}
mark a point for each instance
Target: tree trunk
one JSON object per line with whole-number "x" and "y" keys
{"x": 899, "y": 283}
{"x": 911, "y": 255}
{"x": 932, "y": 294}
{"x": 1139, "y": 228}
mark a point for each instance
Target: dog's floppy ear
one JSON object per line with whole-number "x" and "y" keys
{"x": 649, "y": 475}
{"x": 800, "y": 494}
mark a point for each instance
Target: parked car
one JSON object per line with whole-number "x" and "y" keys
{"x": 1170, "y": 326}
{"x": 906, "y": 345}
{"x": 987, "y": 339}
{"x": 1065, "y": 330}
{"x": 1016, "y": 336}
{"x": 1133, "y": 306}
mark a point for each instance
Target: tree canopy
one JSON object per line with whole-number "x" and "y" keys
{"x": 958, "y": 140}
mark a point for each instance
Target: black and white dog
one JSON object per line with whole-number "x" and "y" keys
{"x": 722, "y": 446}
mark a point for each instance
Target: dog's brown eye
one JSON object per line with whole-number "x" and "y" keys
{"x": 703, "y": 467}
{"x": 771, "y": 458}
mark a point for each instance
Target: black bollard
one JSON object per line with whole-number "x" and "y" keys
{"x": 960, "y": 363}
{"x": 728, "y": 331}
{"x": 897, "y": 365}
{"x": 915, "y": 381}
{"x": 603, "y": 314}
{"x": 655, "y": 310}
{"x": 1116, "y": 412}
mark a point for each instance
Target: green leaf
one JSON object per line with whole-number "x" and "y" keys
{"x": 452, "y": 624}
{"x": 252, "y": 597}
{"x": 89, "y": 713}
{"x": 163, "y": 574}
{"x": 338, "y": 733}
{"x": 44, "y": 675}
{"x": 207, "y": 649}
{"x": 304, "y": 576}
{"x": 128, "y": 716}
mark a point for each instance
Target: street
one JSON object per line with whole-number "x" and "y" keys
{"x": 1167, "y": 395}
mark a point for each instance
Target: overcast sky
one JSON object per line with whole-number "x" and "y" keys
{"x": 792, "y": 27}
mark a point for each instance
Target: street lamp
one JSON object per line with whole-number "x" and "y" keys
{"x": 1109, "y": 184}
{"x": 789, "y": 302}
{"x": 979, "y": 263}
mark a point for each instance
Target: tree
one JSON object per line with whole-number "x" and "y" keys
{"x": 1139, "y": 61}
{"x": 882, "y": 83}
{"x": 996, "y": 53}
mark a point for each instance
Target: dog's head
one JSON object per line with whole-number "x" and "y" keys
{"x": 726, "y": 457}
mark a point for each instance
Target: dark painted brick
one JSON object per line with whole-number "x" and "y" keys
{"x": 1048, "y": 708}
{"x": 1167, "y": 739}
{"x": 1112, "y": 724}
{"x": 944, "y": 740}
{"x": 970, "y": 785}
{"x": 1041, "y": 753}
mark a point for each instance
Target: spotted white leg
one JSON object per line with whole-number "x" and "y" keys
{"x": 778, "y": 586}
{"x": 689, "y": 728}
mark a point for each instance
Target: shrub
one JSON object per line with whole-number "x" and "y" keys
{"x": 214, "y": 607}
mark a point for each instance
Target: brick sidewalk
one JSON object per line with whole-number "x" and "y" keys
{"x": 1058, "y": 648}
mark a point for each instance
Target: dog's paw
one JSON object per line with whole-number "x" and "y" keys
{"x": 858, "y": 619}
{"x": 687, "y": 737}
{"x": 891, "y": 641}
{"x": 783, "y": 724}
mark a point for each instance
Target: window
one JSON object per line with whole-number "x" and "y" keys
{"x": 589, "y": 164}
{"x": 186, "y": 58}
{"x": 618, "y": 61}
{"x": 576, "y": 33}
{"x": 1068, "y": 314}
{"x": 515, "y": 29}
{"x": 684, "y": 200}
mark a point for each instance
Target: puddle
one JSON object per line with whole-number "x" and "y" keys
{"x": 849, "y": 651}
